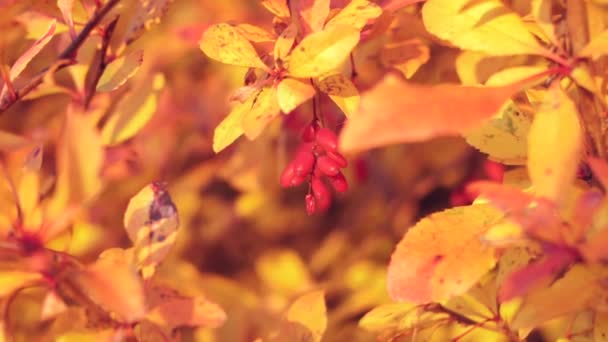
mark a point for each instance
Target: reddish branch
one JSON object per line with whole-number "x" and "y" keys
{"x": 68, "y": 54}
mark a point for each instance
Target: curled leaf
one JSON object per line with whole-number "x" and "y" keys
{"x": 419, "y": 112}
{"x": 151, "y": 222}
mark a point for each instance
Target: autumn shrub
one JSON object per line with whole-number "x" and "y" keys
{"x": 409, "y": 170}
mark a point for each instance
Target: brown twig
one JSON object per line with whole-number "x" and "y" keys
{"x": 69, "y": 53}
{"x": 100, "y": 63}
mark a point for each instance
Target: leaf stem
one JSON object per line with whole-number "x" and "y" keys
{"x": 69, "y": 53}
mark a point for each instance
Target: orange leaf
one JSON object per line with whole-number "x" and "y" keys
{"x": 312, "y": 13}
{"x": 537, "y": 216}
{"x": 395, "y": 111}
{"x": 406, "y": 56}
{"x": 29, "y": 54}
{"x": 66, "y": 6}
{"x": 538, "y": 273}
{"x": 277, "y": 7}
{"x": 174, "y": 310}
{"x": 442, "y": 255}
{"x": 112, "y": 282}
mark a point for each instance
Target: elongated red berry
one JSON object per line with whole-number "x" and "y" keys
{"x": 311, "y": 204}
{"x": 338, "y": 182}
{"x": 322, "y": 194}
{"x": 303, "y": 163}
{"x": 327, "y": 166}
{"x": 327, "y": 139}
{"x": 287, "y": 175}
{"x": 297, "y": 180}
{"x": 308, "y": 133}
{"x": 338, "y": 158}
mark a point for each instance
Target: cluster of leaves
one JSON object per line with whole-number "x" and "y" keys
{"x": 527, "y": 252}
{"x": 102, "y": 99}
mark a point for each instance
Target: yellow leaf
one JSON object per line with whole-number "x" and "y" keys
{"x": 406, "y": 56}
{"x": 112, "y": 282}
{"x": 419, "y": 112}
{"x": 255, "y": 34}
{"x": 342, "y": 91}
{"x": 356, "y": 14}
{"x": 11, "y": 281}
{"x": 28, "y": 55}
{"x": 402, "y": 319}
{"x": 10, "y": 141}
{"x": 309, "y": 310}
{"x": 484, "y": 26}
{"x": 120, "y": 71}
{"x": 505, "y": 137}
{"x": 556, "y": 124}
{"x": 575, "y": 290}
{"x": 512, "y": 75}
{"x": 264, "y": 109}
{"x": 151, "y": 222}
{"x": 597, "y": 47}
{"x": 284, "y": 43}
{"x": 231, "y": 127}
{"x": 134, "y": 110}
{"x": 322, "y": 52}
{"x": 386, "y": 316}
{"x": 442, "y": 255}
{"x": 226, "y": 44}
{"x": 292, "y": 92}
{"x": 283, "y": 272}
{"x": 79, "y": 158}
{"x": 104, "y": 335}
{"x": 277, "y": 7}
{"x": 542, "y": 13}
{"x": 584, "y": 78}
{"x": 311, "y": 14}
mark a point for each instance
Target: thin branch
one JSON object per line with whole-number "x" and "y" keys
{"x": 95, "y": 71}
{"x": 69, "y": 53}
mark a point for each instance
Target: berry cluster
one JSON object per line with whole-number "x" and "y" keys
{"x": 317, "y": 159}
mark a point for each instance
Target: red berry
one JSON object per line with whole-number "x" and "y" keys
{"x": 338, "y": 158}
{"x": 287, "y": 175}
{"x": 308, "y": 133}
{"x": 327, "y": 139}
{"x": 328, "y": 166}
{"x": 297, "y": 180}
{"x": 338, "y": 182}
{"x": 322, "y": 194}
{"x": 493, "y": 170}
{"x": 303, "y": 163}
{"x": 311, "y": 204}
